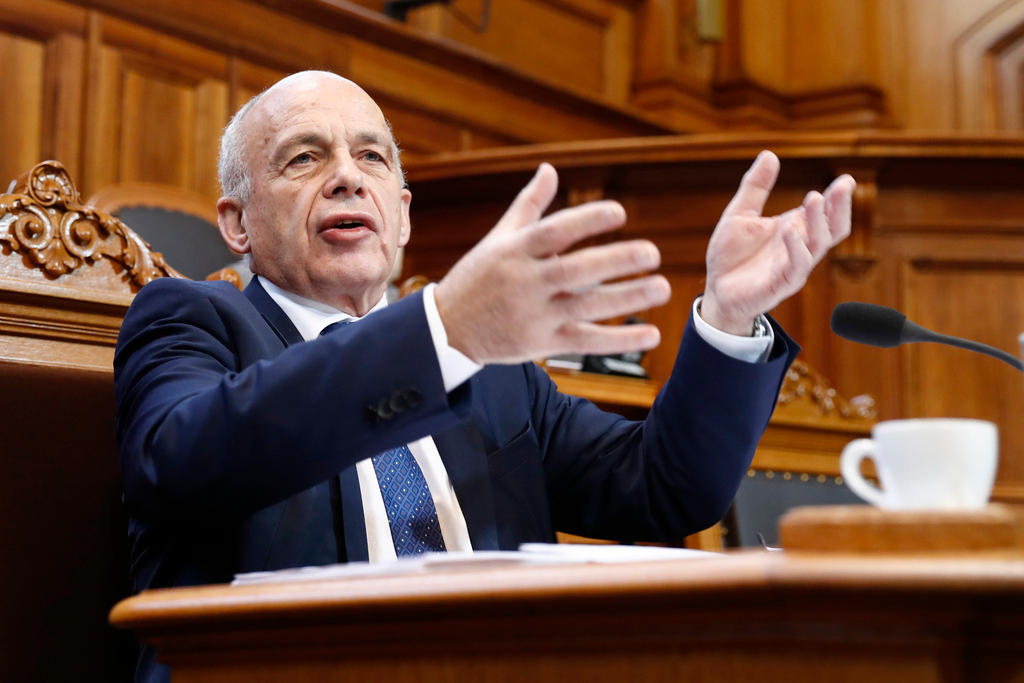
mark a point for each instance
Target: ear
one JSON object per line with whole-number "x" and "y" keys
{"x": 232, "y": 226}
{"x": 406, "y": 226}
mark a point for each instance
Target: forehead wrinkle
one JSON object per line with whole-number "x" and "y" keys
{"x": 305, "y": 138}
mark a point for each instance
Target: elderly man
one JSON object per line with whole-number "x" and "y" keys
{"x": 257, "y": 433}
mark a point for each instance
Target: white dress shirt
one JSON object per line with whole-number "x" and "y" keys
{"x": 311, "y": 317}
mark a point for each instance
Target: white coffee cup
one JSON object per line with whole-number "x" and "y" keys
{"x": 929, "y": 463}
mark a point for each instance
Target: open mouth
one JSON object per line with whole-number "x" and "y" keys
{"x": 339, "y": 230}
{"x": 348, "y": 225}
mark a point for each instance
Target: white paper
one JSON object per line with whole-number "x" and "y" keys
{"x": 528, "y": 554}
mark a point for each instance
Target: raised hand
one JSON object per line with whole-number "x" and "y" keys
{"x": 520, "y": 293}
{"x": 755, "y": 262}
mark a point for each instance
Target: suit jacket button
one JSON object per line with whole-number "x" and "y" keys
{"x": 412, "y": 397}
{"x": 398, "y": 403}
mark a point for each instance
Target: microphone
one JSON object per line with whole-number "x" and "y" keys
{"x": 886, "y": 327}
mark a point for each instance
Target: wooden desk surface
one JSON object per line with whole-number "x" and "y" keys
{"x": 762, "y": 616}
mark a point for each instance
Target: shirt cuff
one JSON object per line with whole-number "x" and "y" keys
{"x": 750, "y": 349}
{"x": 455, "y": 366}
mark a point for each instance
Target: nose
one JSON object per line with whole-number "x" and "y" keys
{"x": 344, "y": 180}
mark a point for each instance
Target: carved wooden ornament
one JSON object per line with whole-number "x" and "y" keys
{"x": 803, "y": 384}
{"x": 44, "y": 219}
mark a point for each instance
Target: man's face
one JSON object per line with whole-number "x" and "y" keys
{"x": 328, "y": 211}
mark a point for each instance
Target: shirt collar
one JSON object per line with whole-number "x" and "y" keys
{"x": 308, "y": 316}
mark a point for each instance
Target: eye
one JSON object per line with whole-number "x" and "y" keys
{"x": 303, "y": 158}
{"x": 370, "y": 155}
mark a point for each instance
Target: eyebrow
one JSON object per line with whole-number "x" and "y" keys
{"x": 319, "y": 140}
{"x": 302, "y": 138}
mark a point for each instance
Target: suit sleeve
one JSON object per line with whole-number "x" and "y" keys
{"x": 672, "y": 474}
{"x": 210, "y": 420}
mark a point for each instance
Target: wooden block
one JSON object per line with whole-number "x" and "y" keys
{"x": 866, "y": 529}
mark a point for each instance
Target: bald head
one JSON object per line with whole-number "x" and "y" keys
{"x": 234, "y": 164}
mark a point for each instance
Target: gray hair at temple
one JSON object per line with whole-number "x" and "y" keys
{"x": 232, "y": 169}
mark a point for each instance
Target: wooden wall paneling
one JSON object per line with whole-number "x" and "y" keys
{"x": 283, "y": 39}
{"x": 978, "y": 53}
{"x": 981, "y": 300}
{"x": 62, "y": 108}
{"x": 448, "y": 220}
{"x": 928, "y": 81}
{"x": 42, "y": 18}
{"x": 830, "y": 44}
{"x": 794, "y": 64}
{"x": 21, "y": 106}
{"x": 157, "y": 129}
{"x": 212, "y": 114}
{"x": 299, "y": 34}
{"x": 173, "y": 105}
{"x": 674, "y": 69}
{"x": 521, "y": 32}
{"x": 933, "y": 60}
{"x": 481, "y": 105}
{"x": 803, "y": 64}
{"x": 668, "y": 47}
{"x": 422, "y": 133}
{"x": 619, "y": 51}
{"x": 894, "y": 37}
{"x": 1010, "y": 86}
{"x": 762, "y": 43}
{"x": 101, "y": 158}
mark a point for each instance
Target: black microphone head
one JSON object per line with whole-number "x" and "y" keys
{"x": 868, "y": 323}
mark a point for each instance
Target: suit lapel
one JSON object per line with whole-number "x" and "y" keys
{"x": 343, "y": 490}
{"x": 272, "y": 313}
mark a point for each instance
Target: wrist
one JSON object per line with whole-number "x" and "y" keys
{"x": 711, "y": 313}
{"x": 449, "y": 321}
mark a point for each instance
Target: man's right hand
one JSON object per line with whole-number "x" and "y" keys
{"x": 521, "y": 294}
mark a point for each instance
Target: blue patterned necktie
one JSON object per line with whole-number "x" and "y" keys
{"x": 410, "y": 507}
{"x": 411, "y": 513}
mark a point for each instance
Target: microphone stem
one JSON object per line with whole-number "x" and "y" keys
{"x": 973, "y": 346}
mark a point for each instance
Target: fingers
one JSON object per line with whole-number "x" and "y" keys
{"x": 592, "y": 265}
{"x": 561, "y": 230}
{"x": 756, "y": 185}
{"x": 799, "y": 260}
{"x": 838, "y": 206}
{"x": 616, "y": 299}
{"x": 532, "y": 201}
{"x": 591, "y": 338}
{"x": 819, "y": 238}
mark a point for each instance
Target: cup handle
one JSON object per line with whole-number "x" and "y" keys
{"x": 849, "y": 465}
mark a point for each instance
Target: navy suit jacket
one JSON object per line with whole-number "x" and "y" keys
{"x": 238, "y": 439}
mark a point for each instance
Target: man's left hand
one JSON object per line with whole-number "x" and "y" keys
{"x": 755, "y": 262}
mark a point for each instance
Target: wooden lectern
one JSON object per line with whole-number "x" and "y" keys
{"x": 753, "y": 616}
